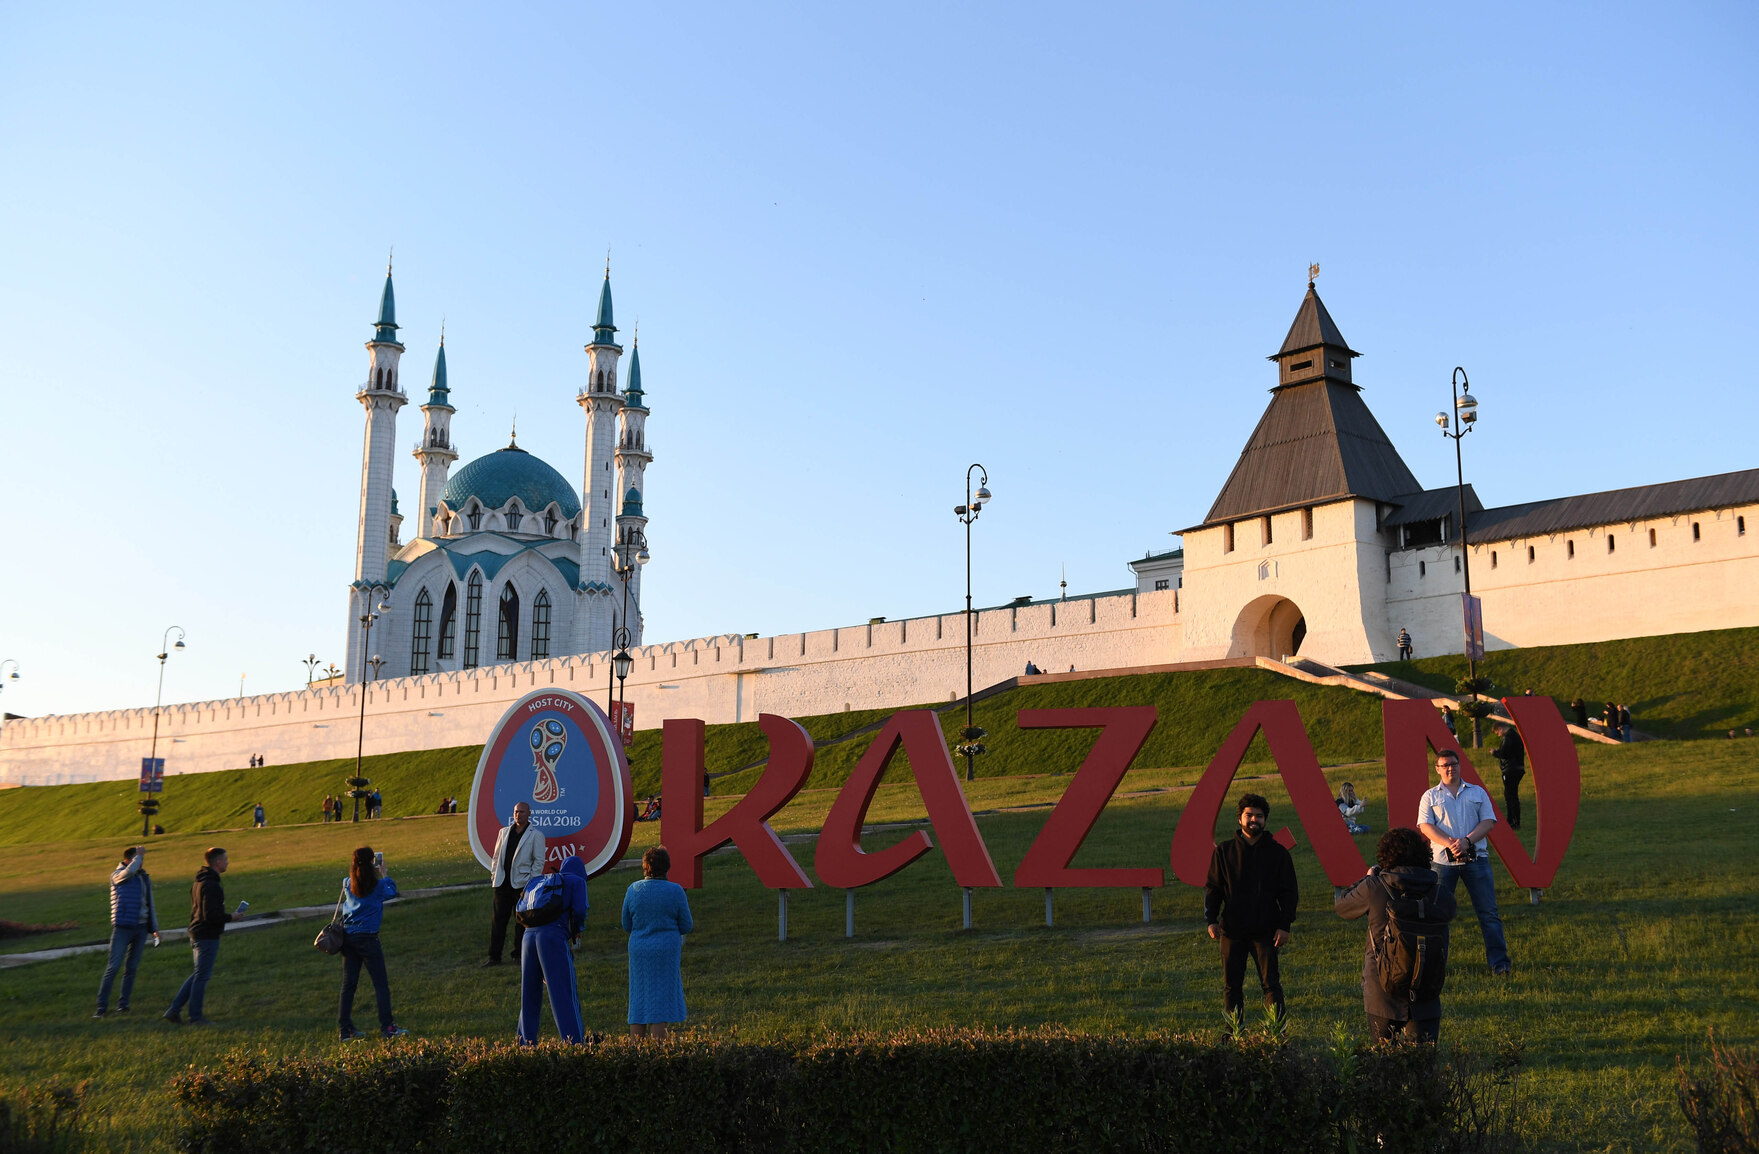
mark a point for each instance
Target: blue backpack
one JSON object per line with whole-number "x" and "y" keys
{"x": 541, "y": 902}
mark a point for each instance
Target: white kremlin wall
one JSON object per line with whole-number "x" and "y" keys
{"x": 717, "y": 679}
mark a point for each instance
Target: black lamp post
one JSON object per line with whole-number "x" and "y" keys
{"x": 150, "y": 805}
{"x": 1466, "y": 419}
{"x": 970, "y": 740}
{"x": 358, "y": 783}
{"x": 631, "y": 551}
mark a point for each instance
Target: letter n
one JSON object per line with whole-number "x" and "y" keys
{"x": 1193, "y": 840}
{"x": 747, "y": 823}
{"x": 1413, "y": 728}
{"x": 841, "y": 862}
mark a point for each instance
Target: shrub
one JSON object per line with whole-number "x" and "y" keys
{"x": 1721, "y": 1104}
{"x": 919, "y": 1091}
{"x": 42, "y": 1119}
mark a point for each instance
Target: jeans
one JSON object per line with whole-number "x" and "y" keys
{"x": 1270, "y": 974}
{"x": 1481, "y": 888}
{"x": 359, "y": 950}
{"x": 195, "y": 987}
{"x": 129, "y": 942}
{"x": 506, "y": 897}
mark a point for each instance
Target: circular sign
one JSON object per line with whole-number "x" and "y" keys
{"x": 555, "y": 751}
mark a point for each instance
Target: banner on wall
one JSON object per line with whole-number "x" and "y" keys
{"x": 557, "y": 752}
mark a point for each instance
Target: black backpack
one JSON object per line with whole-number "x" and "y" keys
{"x": 542, "y": 901}
{"x": 1412, "y": 954}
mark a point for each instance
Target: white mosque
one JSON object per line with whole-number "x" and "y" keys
{"x": 508, "y": 563}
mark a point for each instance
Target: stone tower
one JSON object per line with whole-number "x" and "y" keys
{"x": 632, "y": 462}
{"x": 601, "y": 402}
{"x": 434, "y": 450}
{"x": 381, "y": 396}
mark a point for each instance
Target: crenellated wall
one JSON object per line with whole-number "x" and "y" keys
{"x": 718, "y": 679}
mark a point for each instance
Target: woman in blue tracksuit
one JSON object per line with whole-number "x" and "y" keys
{"x": 545, "y": 959}
{"x": 364, "y": 893}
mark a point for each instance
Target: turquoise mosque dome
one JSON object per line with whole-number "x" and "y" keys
{"x": 507, "y": 473}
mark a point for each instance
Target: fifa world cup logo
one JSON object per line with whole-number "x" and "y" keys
{"x": 548, "y": 739}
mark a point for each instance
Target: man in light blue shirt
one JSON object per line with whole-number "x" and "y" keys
{"x": 1455, "y": 816}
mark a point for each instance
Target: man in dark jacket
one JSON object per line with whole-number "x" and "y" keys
{"x": 1511, "y": 755}
{"x": 1402, "y": 869}
{"x": 1249, "y": 904}
{"x": 132, "y": 920}
{"x": 207, "y": 920}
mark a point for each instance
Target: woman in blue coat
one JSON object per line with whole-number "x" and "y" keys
{"x": 365, "y": 891}
{"x": 545, "y": 958}
{"x": 657, "y": 916}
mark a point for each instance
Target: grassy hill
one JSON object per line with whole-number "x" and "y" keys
{"x": 1615, "y": 973}
{"x": 1682, "y": 685}
{"x": 1196, "y": 712}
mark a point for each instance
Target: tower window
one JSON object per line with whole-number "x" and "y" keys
{"x": 1529, "y": 554}
{"x": 1493, "y": 558}
{"x": 449, "y": 621}
{"x": 550, "y": 524}
{"x": 1456, "y": 564}
{"x": 1162, "y": 582}
{"x": 1694, "y": 530}
{"x": 1610, "y": 542}
{"x": 1227, "y": 538}
{"x": 1652, "y": 538}
{"x": 1740, "y": 526}
{"x": 473, "y": 620}
{"x": 1422, "y": 568}
{"x": 1570, "y": 549}
{"x": 1307, "y": 524}
{"x": 540, "y": 625}
{"x": 507, "y": 625}
{"x": 423, "y": 626}
{"x": 514, "y": 516}
{"x": 1299, "y": 365}
{"x": 1264, "y": 528}
{"x": 474, "y": 518}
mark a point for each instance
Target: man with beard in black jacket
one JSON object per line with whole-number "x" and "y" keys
{"x": 1249, "y": 904}
{"x": 1401, "y": 871}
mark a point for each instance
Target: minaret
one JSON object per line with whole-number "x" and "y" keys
{"x": 381, "y": 397}
{"x": 435, "y": 451}
{"x": 632, "y": 461}
{"x": 600, "y": 400}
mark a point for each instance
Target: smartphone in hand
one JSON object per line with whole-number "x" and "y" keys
{"x": 242, "y": 906}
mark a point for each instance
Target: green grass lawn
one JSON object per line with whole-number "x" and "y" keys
{"x": 1646, "y": 941}
{"x": 1682, "y": 685}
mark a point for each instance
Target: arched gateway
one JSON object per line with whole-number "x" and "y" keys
{"x": 1269, "y": 626}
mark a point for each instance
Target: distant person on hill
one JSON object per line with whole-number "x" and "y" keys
{"x": 132, "y": 920}
{"x": 1609, "y": 720}
{"x": 552, "y": 909}
{"x": 1580, "y": 708}
{"x": 1624, "y": 723}
{"x": 444, "y": 802}
{"x": 1351, "y": 807}
{"x": 259, "y": 817}
{"x": 378, "y": 803}
{"x": 365, "y": 891}
{"x": 1405, "y": 964}
{"x": 1511, "y": 757}
{"x": 326, "y": 808}
{"x": 1031, "y": 670}
{"x": 1249, "y": 904}
{"x": 207, "y": 921}
{"x": 519, "y": 856}
{"x": 453, "y": 807}
{"x": 1404, "y": 644}
{"x": 656, "y": 913}
{"x": 1447, "y": 719}
{"x": 1455, "y": 816}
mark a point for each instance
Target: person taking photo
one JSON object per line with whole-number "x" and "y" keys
{"x": 365, "y": 891}
{"x": 132, "y": 920}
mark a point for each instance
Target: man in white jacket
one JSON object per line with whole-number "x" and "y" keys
{"x": 519, "y": 857}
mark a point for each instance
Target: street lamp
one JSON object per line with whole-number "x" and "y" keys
{"x": 357, "y": 783}
{"x": 630, "y": 553}
{"x": 150, "y": 806}
{"x": 970, "y": 743}
{"x": 311, "y": 668}
{"x": 1465, "y": 420}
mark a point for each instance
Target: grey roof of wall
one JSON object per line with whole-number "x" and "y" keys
{"x": 1430, "y": 505}
{"x": 1616, "y": 506}
{"x": 1316, "y": 442}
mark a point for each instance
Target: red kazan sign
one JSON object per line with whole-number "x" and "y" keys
{"x": 1412, "y": 729}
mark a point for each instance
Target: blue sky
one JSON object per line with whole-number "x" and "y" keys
{"x": 867, "y": 246}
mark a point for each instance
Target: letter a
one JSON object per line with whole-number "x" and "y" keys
{"x": 841, "y": 861}
{"x": 1193, "y": 840}
{"x": 747, "y": 823}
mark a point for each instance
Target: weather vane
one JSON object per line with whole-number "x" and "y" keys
{"x": 1312, "y": 273}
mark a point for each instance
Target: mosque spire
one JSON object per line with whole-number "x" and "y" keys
{"x": 385, "y": 328}
{"x": 603, "y": 330}
{"x": 438, "y": 393}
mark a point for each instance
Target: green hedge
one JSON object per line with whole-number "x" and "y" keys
{"x": 923, "y": 1091}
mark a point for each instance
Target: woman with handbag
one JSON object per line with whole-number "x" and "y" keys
{"x": 364, "y": 893}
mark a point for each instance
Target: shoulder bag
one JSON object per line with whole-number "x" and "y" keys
{"x": 329, "y": 939}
